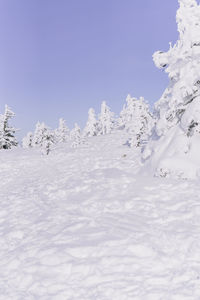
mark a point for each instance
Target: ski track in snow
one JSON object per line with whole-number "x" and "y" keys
{"x": 82, "y": 224}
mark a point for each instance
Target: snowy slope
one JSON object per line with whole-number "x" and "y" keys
{"x": 85, "y": 224}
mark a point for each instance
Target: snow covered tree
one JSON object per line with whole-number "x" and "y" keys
{"x": 48, "y": 141}
{"x": 126, "y": 115}
{"x": 176, "y": 135}
{"x": 43, "y": 138}
{"x": 7, "y": 133}
{"x": 75, "y": 136}
{"x": 106, "y": 119}
{"x": 91, "y": 128}
{"x": 136, "y": 119}
{"x": 27, "y": 140}
{"x": 62, "y": 132}
{"x": 38, "y": 134}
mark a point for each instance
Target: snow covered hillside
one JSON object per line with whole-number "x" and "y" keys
{"x": 86, "y": 223}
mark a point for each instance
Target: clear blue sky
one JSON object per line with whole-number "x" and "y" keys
{"x": 58, "y": 58}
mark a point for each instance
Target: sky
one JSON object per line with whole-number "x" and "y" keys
{"x": 58, "y": 58}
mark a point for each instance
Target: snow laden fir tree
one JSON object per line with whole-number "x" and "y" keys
{"x": 75, "y": 136}
{"x": 174, "y": 146}
{"x": 43, "y": 138}
{"x": 106, "y": 119}
{"x": 7, "y": 132}
{"x": 91, "y": 128}
{"x": 137, "y": 120}
{"x": 27, "y": 141}
{"x": 62, "y": 132}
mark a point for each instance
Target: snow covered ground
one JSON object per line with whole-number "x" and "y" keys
{"x": 86, "y": 224}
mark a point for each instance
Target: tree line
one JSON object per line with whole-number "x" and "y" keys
{"x": 135, "y": 118}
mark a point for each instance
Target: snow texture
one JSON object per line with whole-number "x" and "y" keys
{"x": 86, "y": 223}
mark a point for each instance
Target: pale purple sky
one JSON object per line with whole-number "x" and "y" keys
{"x": 58, "y": 58}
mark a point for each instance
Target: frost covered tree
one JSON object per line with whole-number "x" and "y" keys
{"x": 27, "y": 140}
{"x": 136, "y": 119}
{"x": 38, "y": 134}
{"x": 62, "y": 132}
{"x": 176, "y": 138}
{"x": 127, "y": 113}
{"x": 91, "y": 128}
{"x": 48, "y": 141}
{"x": 75, "y": 136}
{"x": 7, "y": 132}
{"x": 106, "y": 119}
{"x": 43, "y": 138}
